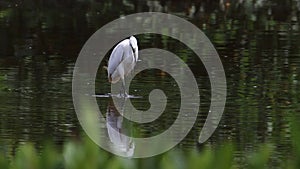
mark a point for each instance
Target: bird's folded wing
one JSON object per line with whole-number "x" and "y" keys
{"x": 115, "y": 59}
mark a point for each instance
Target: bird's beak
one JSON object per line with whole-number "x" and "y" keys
{"x": 134, "y": 54}
{"x": 135, "y": 57}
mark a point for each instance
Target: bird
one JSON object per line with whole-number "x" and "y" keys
{"x": 122, "y": 61}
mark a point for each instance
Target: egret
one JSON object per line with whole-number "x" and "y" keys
{"x": 122, "y": 61}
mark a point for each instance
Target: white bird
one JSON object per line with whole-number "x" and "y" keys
{"x": 122, "y": 61}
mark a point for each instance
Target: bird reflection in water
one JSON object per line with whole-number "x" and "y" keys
{"x": 118, "y": 129}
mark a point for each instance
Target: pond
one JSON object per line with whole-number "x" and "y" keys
{"x": 258, "y": 46}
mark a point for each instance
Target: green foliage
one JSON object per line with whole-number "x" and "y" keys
{"x": 5, "y": 13}
{"x": 259, "y": 160}
{"x": 26, "y": 158}
{"x": 201, "y": 160}
{"x": 296, "y": 143}
{"x": 86, "y": 154}
{"x": 4, "y": 163}
{"x": 220, "y": 159}
{"x": 50, "y": 158}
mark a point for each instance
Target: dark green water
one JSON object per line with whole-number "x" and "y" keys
{"x": 259, "y": 46}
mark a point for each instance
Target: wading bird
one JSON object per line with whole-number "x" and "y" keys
{"x": 122, "y": 61}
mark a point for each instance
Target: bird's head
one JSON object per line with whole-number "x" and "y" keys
{"x": 133, "y": 43}
{"x": 134, "y": 46}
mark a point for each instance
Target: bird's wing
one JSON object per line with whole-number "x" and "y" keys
{"x": 115, "y": 59}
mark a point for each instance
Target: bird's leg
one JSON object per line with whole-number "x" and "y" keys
{"x": 124, "y": 88}
{"x": 121, "y": 90}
